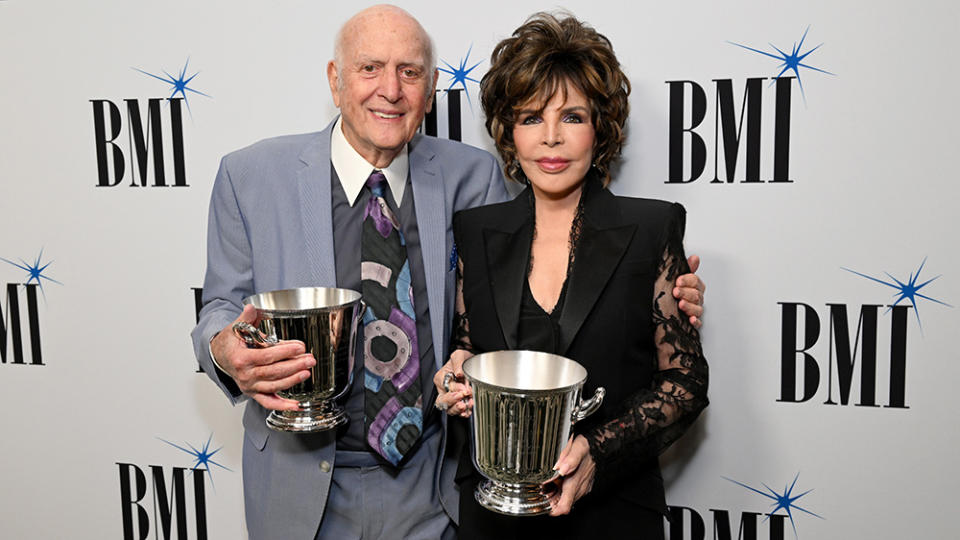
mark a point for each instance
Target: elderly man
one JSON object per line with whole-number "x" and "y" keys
{"x": 314, "y": 210}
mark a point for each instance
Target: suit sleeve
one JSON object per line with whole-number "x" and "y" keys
{"x": 653, "y": 418}
{"x": 229, "y": 277}
{"x": 496, "y": 188}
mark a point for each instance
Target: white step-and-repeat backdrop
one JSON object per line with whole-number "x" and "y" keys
{"x": 822, "y": 203}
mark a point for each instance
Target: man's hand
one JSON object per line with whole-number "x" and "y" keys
{"x": 458, "y": 401}
{"x": 577, "y": 469}
{"x": 261, "y": 373}
{"x": 689, "y": 291}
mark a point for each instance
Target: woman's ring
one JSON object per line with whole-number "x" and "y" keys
{"x": 447, "y": 377}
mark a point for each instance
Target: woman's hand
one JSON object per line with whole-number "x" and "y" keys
{"x": 457, "y": 397}
{"x": 577, "y": 469}
{"x": 688, "y": 290}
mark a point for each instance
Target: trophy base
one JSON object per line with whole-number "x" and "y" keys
{"x": 308, "y": 419}
{"x": 514, "y": 499}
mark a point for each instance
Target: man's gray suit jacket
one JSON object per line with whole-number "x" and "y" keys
{"x": 270, "y": 227}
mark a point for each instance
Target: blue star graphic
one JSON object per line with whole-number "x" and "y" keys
{"x": 203, "y": 458}
{"x": 461, "y": 74}
{"x": 781, "y": 501}
{"x": 179, "y": 84}
{"x": 906, "y": 291}
{"x": 34, "y": 271}
{"x": 790, "y": 62}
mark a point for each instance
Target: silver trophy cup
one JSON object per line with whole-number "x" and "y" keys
{"x": 524, "y": 405}
{"x": 325, "y": 320}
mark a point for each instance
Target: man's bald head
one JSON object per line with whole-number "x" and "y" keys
{"x": 383, "y": 16}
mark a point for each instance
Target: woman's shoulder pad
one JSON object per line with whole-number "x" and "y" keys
{"x": 643, "y": 206}
{"x": 483, "y": 213}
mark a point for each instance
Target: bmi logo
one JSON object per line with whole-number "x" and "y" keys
{"x": 459, "y": 74}
{"x": 153, "y": 150}
{"x": 178, "y": 496}
{"x": 744, "y": 141}
{"x": 14, "y": 316}
{"x": 800, "y": 377}
{"x": 687, "y": 522}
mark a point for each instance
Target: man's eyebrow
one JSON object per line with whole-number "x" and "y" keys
{"x": 412, "y": 63}
{"x": 367, "y": 60}
{"x": 364, "y": 59}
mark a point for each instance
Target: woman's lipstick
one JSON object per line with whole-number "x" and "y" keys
{"x": 553, "y": 164}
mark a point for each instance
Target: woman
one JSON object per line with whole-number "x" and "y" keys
{"x": 571, "y": 269}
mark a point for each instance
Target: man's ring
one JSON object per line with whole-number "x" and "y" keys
{"x": 447, "y": 377}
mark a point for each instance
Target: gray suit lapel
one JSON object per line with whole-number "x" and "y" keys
{"x": 315, "y": 210}
{"x": 432, "y": 221}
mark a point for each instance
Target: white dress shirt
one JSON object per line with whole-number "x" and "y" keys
{"x": 353, "y": 170}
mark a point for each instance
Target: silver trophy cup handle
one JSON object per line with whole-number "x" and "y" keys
{"x": 351, "y": 360}
{"x": 588, "y": 407}
{"x": 252, "y": 336}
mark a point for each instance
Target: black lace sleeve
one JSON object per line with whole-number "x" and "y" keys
{"x": 460, "y": 335}
{"x": 653, "y": 418}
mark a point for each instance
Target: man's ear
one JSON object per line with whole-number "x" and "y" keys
{"x": 333, "y": 77}
{"x": 433, "y": 90}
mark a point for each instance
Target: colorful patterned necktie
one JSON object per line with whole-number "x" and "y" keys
{"x": 393, "y": 400}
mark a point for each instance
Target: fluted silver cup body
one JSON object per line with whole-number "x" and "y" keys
{"x": 325, "y": 320}
{"x": 524, "y": 405}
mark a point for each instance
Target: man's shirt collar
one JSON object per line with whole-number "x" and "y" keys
{"x": 353, "y": 170}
